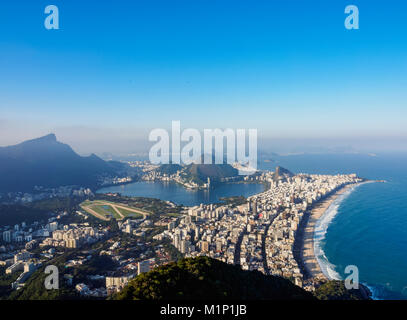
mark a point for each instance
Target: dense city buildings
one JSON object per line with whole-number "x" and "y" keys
{"x": 260, "y": 234}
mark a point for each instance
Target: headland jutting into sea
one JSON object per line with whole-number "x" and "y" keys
{"x": 272, "y": 232}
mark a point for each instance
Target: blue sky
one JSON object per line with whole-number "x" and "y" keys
{"x": 117, "y": 69}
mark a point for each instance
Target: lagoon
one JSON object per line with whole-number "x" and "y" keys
{"x": 176, "y": 193}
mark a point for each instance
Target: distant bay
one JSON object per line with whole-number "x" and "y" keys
{"x": 178, "y": 194}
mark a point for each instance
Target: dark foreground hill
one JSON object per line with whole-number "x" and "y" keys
{"x": 335, "y": 290}
{"x": 49, "y": 163}
{"x": 206, "y": 278}
{"x": 200, "y": 278}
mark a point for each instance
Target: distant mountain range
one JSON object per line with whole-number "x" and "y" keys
{"x": 199, "y": 173}
{"x": 49, "y": 163}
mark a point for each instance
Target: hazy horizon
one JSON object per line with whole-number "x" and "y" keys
{"x": 115, "y": 71}
{"x": 280, "y": 146}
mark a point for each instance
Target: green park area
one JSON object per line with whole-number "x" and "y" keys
{"x": 107, "y": 210}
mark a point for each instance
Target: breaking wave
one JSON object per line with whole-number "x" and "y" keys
{"x": 320, "y": 230}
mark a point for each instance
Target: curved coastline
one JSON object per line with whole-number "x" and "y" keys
{"x": 321, "y": 227}
{"x": 178, "y": 194}
{"x": 326, "y": 268}
{"x": 313, "y": 258}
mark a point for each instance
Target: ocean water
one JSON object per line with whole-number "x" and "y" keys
{"x": 174, "y": 192}
{"x": 367, "y": 226}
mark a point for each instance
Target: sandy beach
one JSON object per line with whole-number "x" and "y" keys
{"x": 310, "y": 262}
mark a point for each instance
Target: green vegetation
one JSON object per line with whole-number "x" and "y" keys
{"x": 200, "y": 173}
{"x": 203, "y": 278}
{"x": 14, "y": 214}
{"x": 174, "y": 253}
{"x": 169, "y": 168}
{"x": 5, "y": 282}
{"x": 49, "y": 163}
{"x": 35, "y": 211}
{"x": 115, "y": 203}
{"x": 335, "y": 290}
{"x": 153, "y": 207}
{"x": 57, "y": 204}
{"x": 173, "y": 214}
{"x": 234, "y": 201}
{"x": 96, "y": 265}
{"x": 34, "y": 288}
{"x": 130, "y": 214}
{"x": 105, "y": 211}
{"x": 109, "y": 209}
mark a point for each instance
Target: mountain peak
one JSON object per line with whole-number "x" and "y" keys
{"x": 49, "y": 137}
{"x": 281, "y": 173}
{"x": 49, "y": 163}
{"x": 282, "y": 170}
